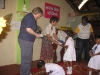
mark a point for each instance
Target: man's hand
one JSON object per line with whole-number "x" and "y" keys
{"x": 39, "y": 35}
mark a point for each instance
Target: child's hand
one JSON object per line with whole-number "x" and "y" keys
{"x": 50, "y": 72}
{"x": 91, "y": 54}
{"x": 63, "y": 44}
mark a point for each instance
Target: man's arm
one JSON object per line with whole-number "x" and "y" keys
{"x": 30, "y": 31}
{"x": 91, "y": 30}
{"x": 55, "y": 36}
{"x": 93, "y": 35}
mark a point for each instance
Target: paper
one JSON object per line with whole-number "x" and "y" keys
{"x": 15, "y": 25}
{"x": 41, "y": 35}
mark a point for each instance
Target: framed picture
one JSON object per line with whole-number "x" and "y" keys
{"x": 2, "y": 4}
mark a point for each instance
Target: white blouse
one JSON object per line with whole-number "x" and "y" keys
{"x": 50, "y": 31}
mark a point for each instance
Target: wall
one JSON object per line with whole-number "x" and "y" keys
{"x": 7, "y": 40}
{"x": 8, "y": 45}
{"x": 75, "y": 23}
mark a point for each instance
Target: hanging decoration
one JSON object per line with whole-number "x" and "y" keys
{"x": 4, "y": 21}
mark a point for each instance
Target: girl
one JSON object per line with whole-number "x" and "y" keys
{"x": 94, "y": 62}
{"x": 51, "y": 68}
{"x": 70, "y": 54}
{"x": 49, "y": 32}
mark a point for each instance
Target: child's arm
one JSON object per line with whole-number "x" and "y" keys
{"x": 66, "y": 46}
{"x": 91, "y": 54}
{"x": 97, "y": 53}
{"x": 47, "y": 73}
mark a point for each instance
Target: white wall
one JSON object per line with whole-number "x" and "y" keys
{"x": 8, "y": 44}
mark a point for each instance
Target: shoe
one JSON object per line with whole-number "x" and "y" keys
{"x": 70, "y": 71}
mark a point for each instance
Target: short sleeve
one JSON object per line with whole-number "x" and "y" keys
{"x": 47, "y": 30}
{"x": 91, "y": 29}
{"x": 93, "y": 46}
{"x": 29, "y": 21}
{"x": 99, "y": 48}
{"x": 77, "y": 30}
{"x": 67, "y": 42}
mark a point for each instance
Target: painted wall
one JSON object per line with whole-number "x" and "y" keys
{"x": 8, "y": 44}
{"x": 7, "y": 40}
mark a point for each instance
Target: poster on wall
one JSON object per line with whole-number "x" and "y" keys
{"x": 51, "y": 10}
{"x": 2, "y": 4}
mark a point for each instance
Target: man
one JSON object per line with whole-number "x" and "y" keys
{"x": 62, "y": 36}
{"x": 27, "y": 37}
{"x": 83, "y": 32}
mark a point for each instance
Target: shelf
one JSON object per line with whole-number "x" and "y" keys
{"x": 23, "y": 12}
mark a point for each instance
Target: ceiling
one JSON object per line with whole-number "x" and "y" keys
{"x": 90, "y": 6}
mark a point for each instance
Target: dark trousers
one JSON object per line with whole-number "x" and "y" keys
{"x": 26, "y": 56}
{"x": 83, "y": 44}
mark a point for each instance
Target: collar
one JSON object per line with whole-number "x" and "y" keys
{"x": 84, "y": 25}
{"x": 50, "y": 25}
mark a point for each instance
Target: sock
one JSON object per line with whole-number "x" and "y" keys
{"x": 90, "y": 72}
{"x": 98, "y": 73}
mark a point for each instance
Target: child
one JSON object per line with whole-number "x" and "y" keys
{"x": 94, "y": 62}
{"x": 51, "y": 68}
{"x": 70, "y": 54}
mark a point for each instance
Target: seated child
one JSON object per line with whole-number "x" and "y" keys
{"x": 94, "y": 62}
{"x": 51, "y": 68}
{"x": 70, "y": 54}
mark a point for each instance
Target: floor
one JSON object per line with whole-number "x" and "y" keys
{"x": 9, "y": 69}
{"x": 14, "y": 69}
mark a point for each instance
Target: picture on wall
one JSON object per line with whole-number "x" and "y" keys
{"x": 2, "y": 4}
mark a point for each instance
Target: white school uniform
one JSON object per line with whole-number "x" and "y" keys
{"x": 94, "y": 61}
{"x": 70, "y": 54}
{"x": 55, "y": 68}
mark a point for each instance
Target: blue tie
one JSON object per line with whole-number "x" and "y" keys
{"x": 95, "y": 48}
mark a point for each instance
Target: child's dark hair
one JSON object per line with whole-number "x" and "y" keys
{"x": 40, "y": 63}
{"x": 70, "y": 33}
{"x": 98, "y": 37}
{"x": 53, "y": 19}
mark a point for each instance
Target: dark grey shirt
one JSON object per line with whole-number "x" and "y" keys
{"x": 27, "y": 22}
